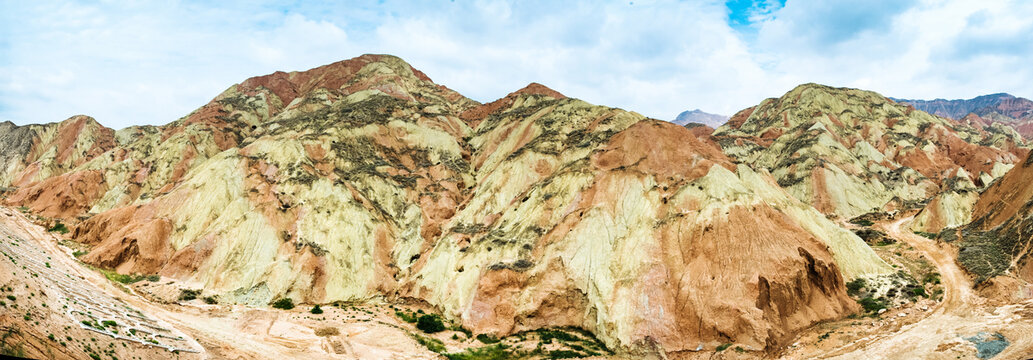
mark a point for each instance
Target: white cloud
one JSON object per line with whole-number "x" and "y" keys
{"x": 154, "y": 62}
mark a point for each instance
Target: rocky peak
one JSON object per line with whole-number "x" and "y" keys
{"x": 476, "y": 114}
{"x": 380, "y": 69}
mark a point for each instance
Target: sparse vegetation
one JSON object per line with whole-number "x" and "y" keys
{"x": 853, "y": 288}
{"x": 862, "y": 222}
{"x": 494, "y": 352}
{"x": 127, "y": 279}
{"x": 927, "y": 235}
{"x": 59, "y": 228}
{"x": 872, "y": 305}
{"x": 431, "y": 344}
{"x": 487, "y": 339}
{"x": 188, "y": 294}
{"x": 406, "y": 316}
{"x": 210, "y": 300}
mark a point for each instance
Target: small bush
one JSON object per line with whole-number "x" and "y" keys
{"x": 108, "y": 323}
{"x": 919, "y": 291}
{"x": 723, "y": 347}
{"x": 316, "y": 310}
{"x": 187, "y": 294}
{"x": 430, "y": 323}
{"x": 284, "y": 303}
{"x": 210, "y": 300}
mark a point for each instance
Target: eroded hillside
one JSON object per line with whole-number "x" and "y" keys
{"x": 363, "y": 179}
{"x": 848, "y": 152}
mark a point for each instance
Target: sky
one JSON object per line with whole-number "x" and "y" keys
{"x": 152, "y": 62}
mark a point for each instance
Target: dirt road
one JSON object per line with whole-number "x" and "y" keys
{"x": 941, "y": 335}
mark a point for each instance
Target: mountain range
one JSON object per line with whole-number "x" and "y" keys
{"x": 981, "y": 111}
{"x": 364, "y": 180}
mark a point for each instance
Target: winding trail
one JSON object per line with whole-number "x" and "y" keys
{"x": 962, "y": 313}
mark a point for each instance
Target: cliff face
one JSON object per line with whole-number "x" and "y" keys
{"x": 364, "y": 179}
{"x": 848, "y": 152}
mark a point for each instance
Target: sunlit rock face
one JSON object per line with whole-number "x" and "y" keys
{"x": 363, "y": 179}
{"x": 848, "y": 152}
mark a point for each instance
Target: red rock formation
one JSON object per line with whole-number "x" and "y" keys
{"x": 64, "y": 196}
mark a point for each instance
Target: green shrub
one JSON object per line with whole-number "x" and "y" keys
{"x": 211, "y": 300}
{"x": 430, "y": 323}
{"x": 724, "y": 346}
{"x": 854, "y": 287}
{"x": 919, "y": 291}
{"x": 284, "y": 303}
{"x": 487, "y": 339}
{"x": 108, "y": 323}
{"x": 872, "y": 305}
{"x": 316, "y": 310}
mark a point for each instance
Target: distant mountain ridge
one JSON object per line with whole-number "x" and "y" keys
{"x": 1016, "y": 112}
{"x": 700, "y": 116}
